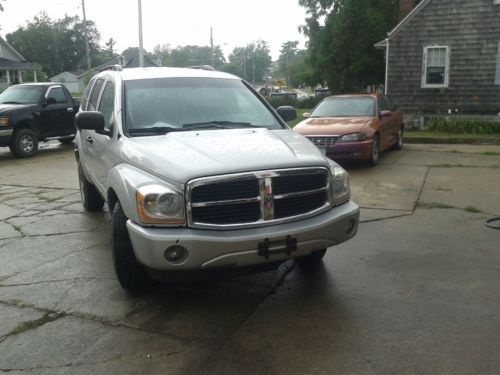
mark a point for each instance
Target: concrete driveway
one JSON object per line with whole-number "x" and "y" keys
{"x": 417, "y": 291}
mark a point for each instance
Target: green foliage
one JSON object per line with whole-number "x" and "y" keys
{"x": 342, "y": 52}
{"x": 184, "y": 56}
{"x": 57, "y": 45}
{"x": 461, "y": 125}
{"x": 29, "y": 75}
{"x": 250, "y": 62}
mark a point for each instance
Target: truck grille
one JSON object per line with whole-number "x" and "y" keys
{"x": 258, "y": 198}
{"x": 323, "y": 141}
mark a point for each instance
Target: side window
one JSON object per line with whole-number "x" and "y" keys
{"x": 94, "y": 95}
{"x": 85, "y": 97}
{"x": 58, "y": 94}
{"x": 107, "y": 103}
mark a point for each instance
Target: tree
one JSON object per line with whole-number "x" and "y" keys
{"x": 1, "y": 5}
{"x": 342, "y": 52}
{"x": 250, "y": 62}
{"x": 57, "y": 45}
{"x": 110, "y": 46}
{"x": 184, "y": 56}
{"x": 287, "y": 58}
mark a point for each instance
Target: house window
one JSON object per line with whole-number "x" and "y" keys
{"x": 436, "y": 67}
{"x": 497, "y": 75}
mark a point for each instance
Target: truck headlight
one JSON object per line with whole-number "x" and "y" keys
{"x": 354, "y": 137}
{"x": 340, "y": 187}
{"x": 158, "y": 204}
{"x": 4, "y": 121}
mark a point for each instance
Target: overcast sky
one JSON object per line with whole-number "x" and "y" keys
{"x": 234, "y": 22}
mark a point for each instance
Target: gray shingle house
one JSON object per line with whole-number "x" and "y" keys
{"x": 444, "y": 56}
{"x": 12, "y": 64}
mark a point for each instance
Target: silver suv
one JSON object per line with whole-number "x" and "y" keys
{"x": 200, "y": 172}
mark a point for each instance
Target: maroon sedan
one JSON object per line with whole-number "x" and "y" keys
{"x": 354, "y": 126}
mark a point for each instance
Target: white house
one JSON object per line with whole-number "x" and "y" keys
{"x": 72, "y": 80}
{"x": 12, "y": 64}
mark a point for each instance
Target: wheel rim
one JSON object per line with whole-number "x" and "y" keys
{"x": 375, "y": 151}
{"x": 26, "y": 143}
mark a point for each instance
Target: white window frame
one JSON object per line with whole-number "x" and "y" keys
{"x": 426, "y": 85}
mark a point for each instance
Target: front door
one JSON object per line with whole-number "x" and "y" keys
{"x": 57, "y": 118}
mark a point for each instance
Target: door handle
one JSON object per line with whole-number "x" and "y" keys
{"x": 90, "y": 139}
{"x": 69, "y": 110}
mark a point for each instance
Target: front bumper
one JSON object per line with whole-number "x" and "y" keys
{"x": 5, "y": 136}
{"x": 350, "y": 150}
{"x": 239, "y": 248}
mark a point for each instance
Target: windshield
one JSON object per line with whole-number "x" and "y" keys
{"x": 21, "y": 95}
{"x": 180, "y": 104}
{"x": 345, "y": 107}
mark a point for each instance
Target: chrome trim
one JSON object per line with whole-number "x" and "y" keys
{"x": 266, "y": 212}
{"x": 6, "y": 132}
{"x": 300, "y": 193}
{"x": 333, "y": 139}
{"x": 227, "y": 202}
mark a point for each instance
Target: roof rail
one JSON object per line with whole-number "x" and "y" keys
{"x": 115, "y": 67}
{"x": 202, "y": 67}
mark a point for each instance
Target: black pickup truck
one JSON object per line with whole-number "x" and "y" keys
{"x": 34, "y": 112}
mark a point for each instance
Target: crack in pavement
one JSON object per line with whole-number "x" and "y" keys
{"x": 56, "y": 281}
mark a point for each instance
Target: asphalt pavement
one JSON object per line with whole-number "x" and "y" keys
{"x": 415, "y": 292}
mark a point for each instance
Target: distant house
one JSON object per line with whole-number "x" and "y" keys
{"x": 444, "y": 57}
{"x": 12, "y": 65}
{"x": 72, "y": 80}
{"x": 128, "y": 59}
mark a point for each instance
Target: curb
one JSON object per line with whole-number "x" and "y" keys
{"x": 444, "y": 140}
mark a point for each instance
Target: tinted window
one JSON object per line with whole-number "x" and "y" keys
{"x": 94, "y": 95}
{"x": 107, "y": 103}
{"x": 345, "y": 107}
{"x": 178, "y": 102}
{"x": 85, "y": 97}
{"x": 58, "y": 94}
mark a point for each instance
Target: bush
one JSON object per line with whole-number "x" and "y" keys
{"x": 307, "y": 102}
{"x": 462, "y": 125}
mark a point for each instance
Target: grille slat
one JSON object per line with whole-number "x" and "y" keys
{"x": 328, "y": 141}
{"x": 296, "y": 192}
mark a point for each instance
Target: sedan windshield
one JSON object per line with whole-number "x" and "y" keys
{"x": 160, "y": 106}
{"x": 345, "y": 107}
{"x": 21, "y": 95}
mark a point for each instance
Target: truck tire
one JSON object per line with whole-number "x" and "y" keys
{"x": 131, "y": 275}
{"x": 91, "y": 199}
{"x": 313, "y": 258}
{"x": 66, "y": 141}
{"x": 24, "y": 144}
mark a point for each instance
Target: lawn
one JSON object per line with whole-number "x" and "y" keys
{"x": 299, "y": 117}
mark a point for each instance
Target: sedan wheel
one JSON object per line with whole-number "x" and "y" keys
{"x": 375, "y": 151}
{"x": 399, "y": 141}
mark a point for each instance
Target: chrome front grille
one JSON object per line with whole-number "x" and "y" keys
{"x": 323, "y": 141}
{"x": 257, "y": 198}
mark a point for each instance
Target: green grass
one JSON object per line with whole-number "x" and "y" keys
{"x": 428, "y": 134}
{"x": 299, "y": 117}
{"x": 32, "y": 324}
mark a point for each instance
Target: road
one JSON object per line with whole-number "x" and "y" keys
{"x": 417, "y": 291}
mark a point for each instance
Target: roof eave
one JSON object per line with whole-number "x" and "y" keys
{"x": 408, "y": 18}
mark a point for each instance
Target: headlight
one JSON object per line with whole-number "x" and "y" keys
{"x": 355, "y": 137}
{"x": 158, "y": 204}
{"x": 4, "y": 121}
{"x": 341, "y": 190}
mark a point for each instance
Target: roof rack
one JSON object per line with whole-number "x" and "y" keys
{"x": 202, "y": 67}
{"x": 115, "y": 67}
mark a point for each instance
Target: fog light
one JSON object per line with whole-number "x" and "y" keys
{"x": 175, "y": 253}
{"x": 350, "y": 227}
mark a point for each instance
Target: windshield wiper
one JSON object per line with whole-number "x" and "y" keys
{"x": 154, "y": 130}
{"x": 11, "y": 103}
{"x": 217, "y": 125}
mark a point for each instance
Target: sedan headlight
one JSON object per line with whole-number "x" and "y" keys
{"x": 341, "y": 189}
{"x": 158, "y": 204}
{"x": 354, "y": 137}
{"x": 4, "y": 121}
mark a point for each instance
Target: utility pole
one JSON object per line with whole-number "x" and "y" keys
{"x": 212, "y": 47}
{"x": 141, "y": 52}
{"x": 87, "y": 51}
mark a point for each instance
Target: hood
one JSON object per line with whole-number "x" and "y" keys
{"x": 333, "y": 125}
{"x": 182, "y": 156}
{"x": 6, "y": 108}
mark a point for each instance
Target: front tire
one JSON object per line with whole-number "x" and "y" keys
{"x": 375, "y": 151}
{"x": 91, "y": 199}
{"x": 130, "y": 273}
{"x": 399, "y": 141}
{"x": 24, "y": 143}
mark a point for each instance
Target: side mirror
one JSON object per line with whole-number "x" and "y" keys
{"x": 306, "y": 114}
{"x": 287, "y": 113}
{"x": 49, "y": 101}
{"x": 91, "y": 120}
{"x": 384, "y": 114}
